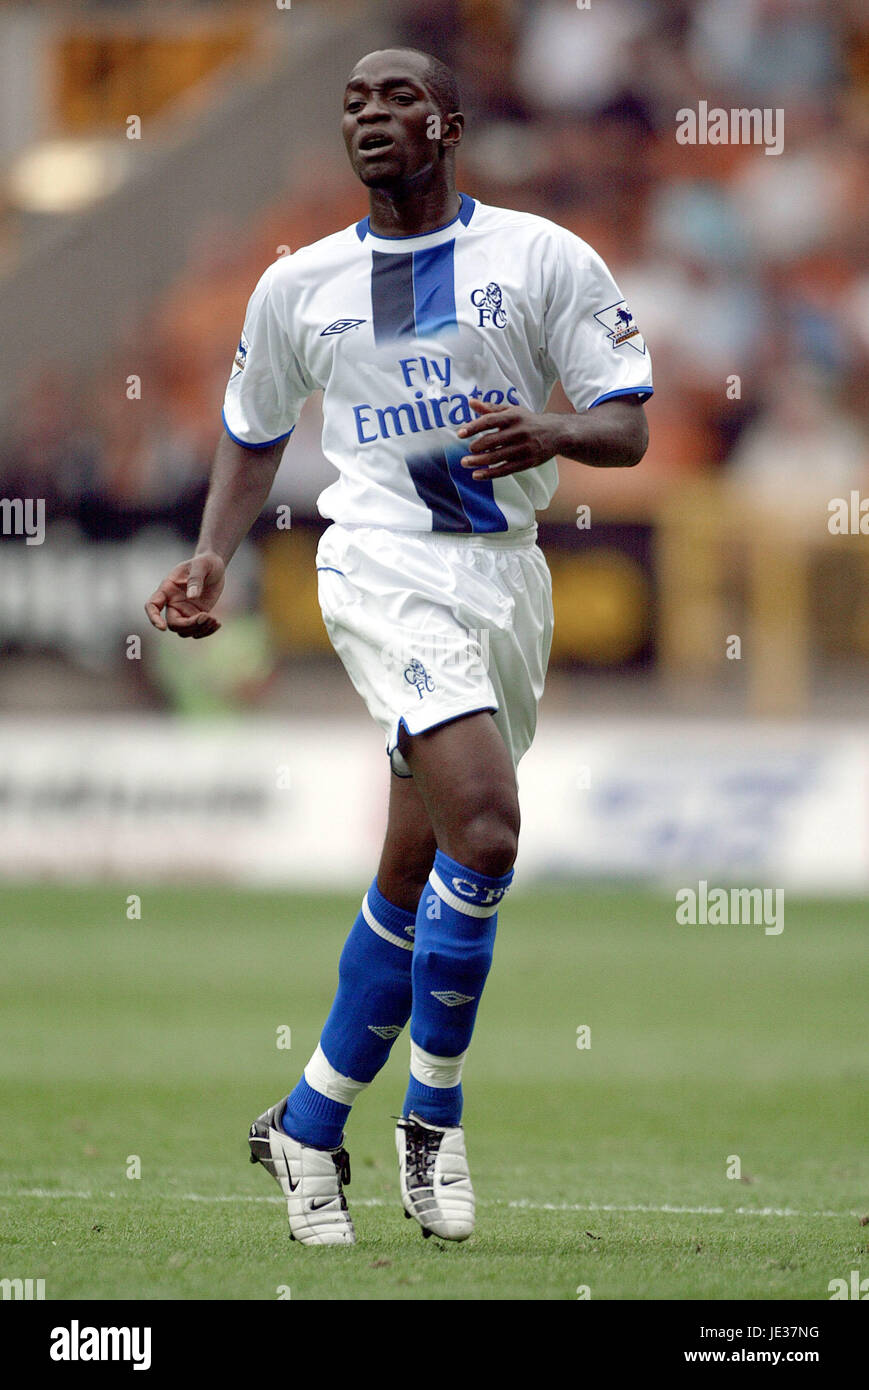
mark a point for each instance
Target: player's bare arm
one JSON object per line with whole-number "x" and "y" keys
{"x": 508, "y": 439}
{"x": 241, "y": 480}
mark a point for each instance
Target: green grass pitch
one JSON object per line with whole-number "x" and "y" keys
{"x": 604, "y": 1167}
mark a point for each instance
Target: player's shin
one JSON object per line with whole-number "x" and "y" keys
{"x": 455, "y": 937}
{"x": 371, "y": 1007}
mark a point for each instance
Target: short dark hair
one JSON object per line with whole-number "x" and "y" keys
{"x": 440, "y": 80}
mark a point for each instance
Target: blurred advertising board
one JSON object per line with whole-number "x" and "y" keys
{"x": 301, "y": 802}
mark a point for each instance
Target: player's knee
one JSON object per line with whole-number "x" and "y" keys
{"x": 490, "y": 840}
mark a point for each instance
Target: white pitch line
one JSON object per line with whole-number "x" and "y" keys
{"x": 668, "y": 1210}
{"x": 590, "y": 1208}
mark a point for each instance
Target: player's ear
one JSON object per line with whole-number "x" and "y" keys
{"x": 452, "y": 129}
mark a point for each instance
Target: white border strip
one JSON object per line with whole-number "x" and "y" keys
{"x": 383, "y": 931}
{"x": 321, "y": 1076}
{"x": 441, "y": 1073}
{"x": 470, "y": 909}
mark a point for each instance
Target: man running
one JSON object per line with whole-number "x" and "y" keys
{"x": 436, "y": 328}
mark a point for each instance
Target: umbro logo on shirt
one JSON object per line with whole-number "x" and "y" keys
{"x": 341, "y": 326}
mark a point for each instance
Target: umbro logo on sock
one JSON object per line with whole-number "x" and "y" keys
{"x": 451, "y": 997}
{"x": 388, "y": 1031}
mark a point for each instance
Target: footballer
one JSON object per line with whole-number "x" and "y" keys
{"x": 436, "y": 328}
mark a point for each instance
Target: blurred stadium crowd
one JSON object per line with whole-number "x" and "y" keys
{"x": 736, "y": 263}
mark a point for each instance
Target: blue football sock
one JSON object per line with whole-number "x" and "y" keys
{"x": 455, "y": 939}
{"x": 371, "y": 1007}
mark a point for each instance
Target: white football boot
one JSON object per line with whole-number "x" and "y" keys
{"x": 435, "y": 1179}
{"x": 312, "y": 1180}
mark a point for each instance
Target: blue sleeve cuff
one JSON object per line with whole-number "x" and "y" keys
{"x": 245, "y": 444}
{"x": 644, "y": 392}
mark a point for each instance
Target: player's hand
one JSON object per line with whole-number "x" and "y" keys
{"x": 508, "y": 439}
{"x": 188, "y": 594}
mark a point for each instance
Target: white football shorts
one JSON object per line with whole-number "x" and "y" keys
{"x": 434, "y": 625}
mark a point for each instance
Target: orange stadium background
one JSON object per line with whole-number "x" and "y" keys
{"x": 712, "y": 635}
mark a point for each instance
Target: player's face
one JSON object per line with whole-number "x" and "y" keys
{"x": 387, "y": 124}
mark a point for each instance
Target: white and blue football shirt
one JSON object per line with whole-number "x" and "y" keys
{"x": 399, "y": 332}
